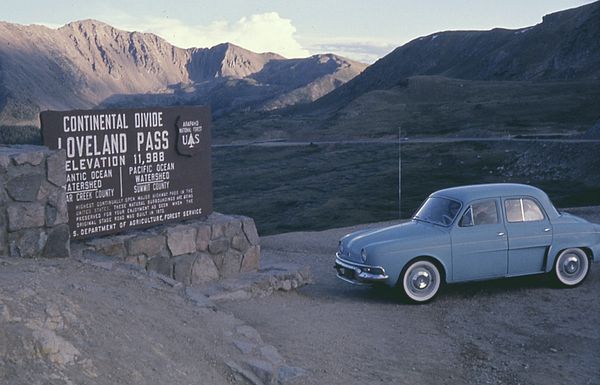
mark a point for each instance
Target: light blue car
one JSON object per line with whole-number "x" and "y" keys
{"x": 472, "y": 233}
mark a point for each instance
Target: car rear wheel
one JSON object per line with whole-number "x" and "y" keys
{"x": 572, "y": 267}
{"x": 421, "y": 281}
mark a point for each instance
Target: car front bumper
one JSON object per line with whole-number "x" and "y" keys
{"x": 357, "y": 273}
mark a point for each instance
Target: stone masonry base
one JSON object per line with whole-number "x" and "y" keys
{"x": 34, "y": 224}
{"x": 191, "y": 252}
{"x": 33, "y": 205}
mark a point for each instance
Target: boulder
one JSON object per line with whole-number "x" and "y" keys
{"x": 55, "y": 165}
{"x": 203, "y": 237}
{"x": 58, "y": 244}
{"x": 182, "y": 268}
{"x": 181, "y": 240}
{"x": 150, "y": 245}
{"x": 161, "y": 265}
{"x": 250, "y": 230}
{"x": 251, "y": 259}
{"x": 24, "y": 188}
{"x": 25, "y": 215}
{"x": 27, "y": 243}
{"x": 204, "y": 270}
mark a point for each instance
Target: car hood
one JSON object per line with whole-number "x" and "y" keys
{"x": 352, "y": 244}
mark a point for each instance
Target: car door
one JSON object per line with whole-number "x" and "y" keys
{"x": 529, "y": 235}
{"x": 479, "y": 242}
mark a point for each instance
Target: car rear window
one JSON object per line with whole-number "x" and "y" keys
{"x": 522, "y": 210}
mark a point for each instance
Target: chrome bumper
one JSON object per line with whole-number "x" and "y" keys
{"x": 357, "y": 273}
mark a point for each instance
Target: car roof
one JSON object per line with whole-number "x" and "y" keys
{"x": 470, "y": 193}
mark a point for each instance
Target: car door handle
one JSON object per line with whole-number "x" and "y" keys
{"x": 546, "y": 229}
{"x": 500, "y": 234}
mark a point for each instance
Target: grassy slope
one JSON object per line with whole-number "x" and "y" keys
{"x": 441, "y": 106}
{"x": 316, "y": 187}
{"x": 431, "y": 105}
{"x": 309, "y": 187}
{"x": 423, "y": 106}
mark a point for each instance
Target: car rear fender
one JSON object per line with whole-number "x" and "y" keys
{"x": 582, "y": 235}
{"x": 592, "y": 251}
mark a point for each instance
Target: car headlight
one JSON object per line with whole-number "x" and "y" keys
{"x": 363, "y": 255}
{"x": 341, "y": 248}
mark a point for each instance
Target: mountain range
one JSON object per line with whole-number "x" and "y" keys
{"x": 542, "y": 78}
{"x": 88, "y": 63}
{"x": 565, "y": 46}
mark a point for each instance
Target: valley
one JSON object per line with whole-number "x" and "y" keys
{"x": 431, "y": 106}
{"x": 312, "y": 143}
{"x": 316, "y": 186}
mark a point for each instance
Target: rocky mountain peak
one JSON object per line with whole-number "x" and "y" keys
{"x": 226, "y": 60}
{"x": 238, "y": 62}
{"x": 87, "y": 25}
{"x": 89, "y": 63}
{"x": 144, "y": 49}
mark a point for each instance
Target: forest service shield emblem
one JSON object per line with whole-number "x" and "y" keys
{"x": 189, "y": 132}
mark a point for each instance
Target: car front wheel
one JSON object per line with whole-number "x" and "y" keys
{"x": 421, "y": 281}
{"x": 571, "y": 267}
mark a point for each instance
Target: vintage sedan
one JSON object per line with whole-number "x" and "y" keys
{"x": 472, "y": 233}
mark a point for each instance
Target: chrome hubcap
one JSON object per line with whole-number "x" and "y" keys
{"x": 421, "y": 279}
{"x": 571, "y": 265}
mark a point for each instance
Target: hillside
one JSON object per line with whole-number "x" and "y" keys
{"x": 88, "y": 63}
{"x": 253, "y": 85}
{"x": 543, "y": 78}
{"x": 565, "y": 46}
{"x": 433, "y": 106}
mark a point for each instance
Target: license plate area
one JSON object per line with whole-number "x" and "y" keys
{"x": 346, "y": 273}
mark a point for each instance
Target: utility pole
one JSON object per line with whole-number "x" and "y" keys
{"x": 399, "y": 172}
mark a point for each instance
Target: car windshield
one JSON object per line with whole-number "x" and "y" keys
{"x": 439, "y": 211}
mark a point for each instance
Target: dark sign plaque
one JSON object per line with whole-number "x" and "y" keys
{"x": 132, "y": 168}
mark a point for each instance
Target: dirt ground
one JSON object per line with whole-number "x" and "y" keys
{"x": 512, "y": 331}
{"x": 68, "y": 322}
{"x": 64, "y": 322}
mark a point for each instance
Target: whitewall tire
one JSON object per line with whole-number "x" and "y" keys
{"x": 421, "y": 281}
{"x": 571, "y": 267}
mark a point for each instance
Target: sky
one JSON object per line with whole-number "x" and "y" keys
{"x": 363, "y": 30}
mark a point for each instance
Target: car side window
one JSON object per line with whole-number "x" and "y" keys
{"x": 522, "y": 210}
{"x": 513, "y": 210}
{"x": 480, "y": 213}
{"x": 531, "y": 211}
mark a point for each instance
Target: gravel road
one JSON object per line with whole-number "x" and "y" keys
{"x": 512, "y": 331}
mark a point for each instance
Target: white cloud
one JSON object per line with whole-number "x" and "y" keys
{"x": 267, "y": 32}
{"x": 359, "y": 49}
